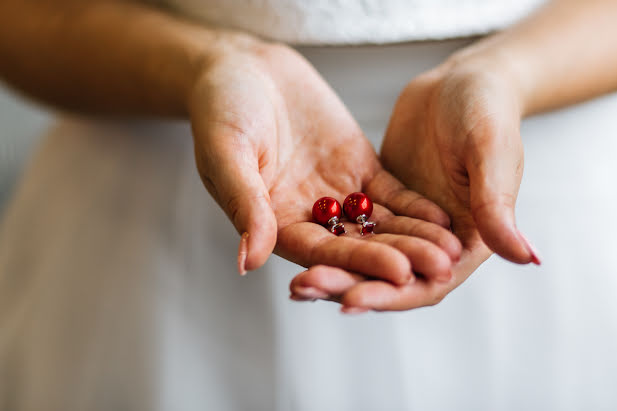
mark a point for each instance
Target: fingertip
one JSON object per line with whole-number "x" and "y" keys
{"x": 429, "y": 211}
{"x": 299, "y": 298}
{"x": 318, "y": 274}
{"x": 405, "y": 275}
{"x": 331, "y": 280}
{"x": 307, "y": 278}
{"x": 435, "y": 264}
{"x": 453, "y": 247}
{"x": 257, "y": 254}
{"x": 405, "y": 270}
{"x": 260, "y": 242}
{"x": 353, "y": 310}
{"x": 440, "y": 217}
{"x": 443, "y": 268}
{"x": 369, "y": 295}
{"x": 535, "y": 255}
{"x": 353, "y": 297}
{"x": 498, "y": 230}
{"x": 455, "y": 251}
{"x": 388, "y": 263}
{"x": 310, "y": 292}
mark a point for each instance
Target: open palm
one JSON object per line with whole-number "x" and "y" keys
{"x": 271, "y": 138}
{"x": 454, "y": 137}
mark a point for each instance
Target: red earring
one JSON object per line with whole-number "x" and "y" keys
{"x": 358, "y": 207}
{"x": 327, "y": 212}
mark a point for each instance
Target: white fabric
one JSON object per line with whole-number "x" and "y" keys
{"x": 357, "y": 21}
{"x": 118, "y": 289}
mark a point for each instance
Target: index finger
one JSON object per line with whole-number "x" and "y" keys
{"x": 386, "y": 190}
{"x": 309, "y": 244}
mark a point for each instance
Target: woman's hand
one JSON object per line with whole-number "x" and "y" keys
{"x": 454, "y": 137}
{"x": 271, "y": 138}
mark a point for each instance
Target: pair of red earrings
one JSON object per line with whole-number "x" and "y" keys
{"x": 357, "y": 207}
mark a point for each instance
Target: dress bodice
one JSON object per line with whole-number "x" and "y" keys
{"x": 357, "y": 21}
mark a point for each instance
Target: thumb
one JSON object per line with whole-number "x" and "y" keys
{"x": 495, "y": 169}
{"x": 238, "y": 187}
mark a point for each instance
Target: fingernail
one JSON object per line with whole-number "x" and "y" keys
{"x": 243, "y": 251}
{"x": 297, "y": 297}
{"x": 310, "y": 292}
{"x": 353, "y": 310}
{"x": 532, "y": 250}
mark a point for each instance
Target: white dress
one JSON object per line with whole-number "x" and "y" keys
{"x": 118, "y": 289}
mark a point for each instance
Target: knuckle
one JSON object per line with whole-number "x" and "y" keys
{"x": 452, "y": 245}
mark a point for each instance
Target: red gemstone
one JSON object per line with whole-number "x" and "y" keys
{"x": 367, "y": 228}
{"x": 338, "y": 229}
{"x": 357, "y": 204}
{"x": 325, "y": 208}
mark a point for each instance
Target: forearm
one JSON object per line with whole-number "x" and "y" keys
{"x": 109, "y": 56}
{"x": 565, "y": 53}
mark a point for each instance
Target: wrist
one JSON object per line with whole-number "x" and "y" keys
{"x": 234, "y": 57}
{"x": 218, "y": 50}
{"x": 496, "y": 64}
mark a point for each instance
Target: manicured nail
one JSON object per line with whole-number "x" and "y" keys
{"x": 353, "y": 310}
{"x": 532, "y": 250}
{"x": 243, "y": 251}
{"x": 310, "y": 292}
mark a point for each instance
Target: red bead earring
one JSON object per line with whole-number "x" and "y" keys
{"x": 327, "y": 212}
{"x": 358, "y": 207}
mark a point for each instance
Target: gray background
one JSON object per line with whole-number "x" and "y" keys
{"x": 22, "y": 123}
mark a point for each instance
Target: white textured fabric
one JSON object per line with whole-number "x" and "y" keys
{"x": 357, "y": 21}
{"x": 118, "y": 288}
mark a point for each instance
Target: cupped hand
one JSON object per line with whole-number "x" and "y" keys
{"x": 453, "y": 137}
{"x": 271, "y": 138}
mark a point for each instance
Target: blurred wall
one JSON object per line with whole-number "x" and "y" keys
{"x": 21, "y": 125}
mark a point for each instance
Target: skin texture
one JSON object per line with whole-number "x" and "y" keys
{"x": 264, "y": 123}
{"x": 270, "y": 136}
{"x": 454, "y": 137}
{"x": 439, "y": 128}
